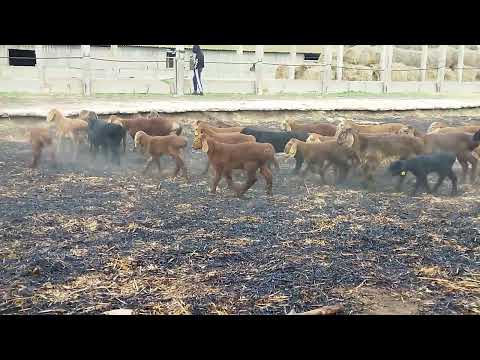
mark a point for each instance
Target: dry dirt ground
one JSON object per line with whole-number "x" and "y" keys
{"x": 89, "y": 237}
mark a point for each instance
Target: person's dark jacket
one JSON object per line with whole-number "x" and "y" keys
{"x": 199, "y": 63}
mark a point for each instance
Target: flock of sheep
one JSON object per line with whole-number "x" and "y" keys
{"x": 320, "y": 146}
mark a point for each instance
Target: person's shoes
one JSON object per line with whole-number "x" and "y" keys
{"x": 201, "y": 93}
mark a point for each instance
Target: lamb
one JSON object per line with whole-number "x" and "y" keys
{"x": 105, "y": 135}
{"x": 224, "y": 138}
{"x": 225, "y": 158}
{"x": 325, "y": 129}
{"x": 278, "y": 139}
{"x": 460, "y": 143}
{"x": 392, "y": 128}
{"x": 372, "y": 149}
{"x": 153, "y": 126}
{"x": 156, "y": 146}
{"x": 41, "y": 138}
{"x": 74, "y": 129}
{"x": 199, "y": 124}
{"x": 422, "y": 165}
{"x": 114, "y": 119}
{"x": 323, "y": 155}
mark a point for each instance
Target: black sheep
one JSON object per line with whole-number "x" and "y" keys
{"x": 279, "y": 139}
{"x": 422, "y": 165}
{"x": 105, "y": 135}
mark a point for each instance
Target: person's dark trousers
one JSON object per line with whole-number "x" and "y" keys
{"x": 197, "y": 81}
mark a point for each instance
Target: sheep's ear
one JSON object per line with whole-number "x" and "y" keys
{"x": 293, "y": 149}
{"x": 204, "y": 145}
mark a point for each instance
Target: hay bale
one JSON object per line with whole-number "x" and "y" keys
{"x": 358, "y": 72}
{"x": 362, "y": 55}
{"x": 305, "y": 72}
{"x": 407, "y": 57}
{"x": 471, "y": 58}
{"x": 281, "y": 72}
{"x": 408, "y": 73}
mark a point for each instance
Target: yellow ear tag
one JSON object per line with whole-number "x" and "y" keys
{"x": 403, "y": 173}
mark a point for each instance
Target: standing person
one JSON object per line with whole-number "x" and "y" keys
{"x": 198, "y": 65}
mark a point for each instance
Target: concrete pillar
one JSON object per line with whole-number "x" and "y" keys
{"x": 259, "y": 52}
{"x": 179, "y": 69}
{"x": 442, "y": 61}
{"x": 39, "y": 53}
{"x": 423, "y": 63}
{"x": 114, "y": 55}
{"x": 293, "y": 59}
{"x": 240, "y": 50}
{"x": 461, "y": 55}
{"x": 86, "y": 78}
{"x": 327, "y": 68}
{"x": 388, "y": 72}
{"x": 339, "y": 62}
{"x": 383, "y": 63}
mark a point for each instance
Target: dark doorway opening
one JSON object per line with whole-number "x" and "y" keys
{"x": 17, "y": 57}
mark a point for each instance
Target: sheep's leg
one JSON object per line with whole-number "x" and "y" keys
{"x": 216, "y": 180}
{"x": 37, "y": 153}
{"x": 157, "y": 162}
{"x": 421, "y": 181}
{"x": 298, "y": 163}
{"x": 251, "y": 180}
{"x": 472, "y": 160}
{"x": 441, "y": 177}
{"x": 464, "y": 164}
{"x": 115, "y": 149}
{"x": 342, "y": 173}
{"x": 179, "y": 165}
{"x": 399, "y": 186}
{"x": 453, "y": 178}
{"x": 267, "y": 174}
{"x": 228, "y": 176}
{"x": 149, "y": 163}
{"x": 206, "y": 168}
{"x": 124, "y": 139}
{"x": 52, "y": 156}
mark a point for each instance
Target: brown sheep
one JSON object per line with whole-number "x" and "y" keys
{"x": 459, "y": 143}
{"x": 74, "y": 129}
{"x": 323, "y": 155}
{"x": 156, "y": 146}
{"x": 392, "y": 128}
{"x": 114, "y": 119}
{"x": 317, "y": 138}
{"x": 153, "y": 126}
{"x": 41, "y": 138}
{"x": 372, "y": 149}
{"x": 439, "y": 127}
{"x": 225, "y": 158}
{"x": 224, "y": 138}
{"x": 199, "y": 124}
{"x": 325, "y": 129}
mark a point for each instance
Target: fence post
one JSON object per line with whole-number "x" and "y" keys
{"x": 423, "y": 63}
{"x": 293, "y": 59}
{"x": 442, "y": 61}
{"x": 461, "y": 55}
{"x": 114, "y": 52}
{"x": 388, "y": 72}
{"x": 179, "y": 69}
{"x": 87, "y": 81}
{"x": 340, "y": 62}
{"x": 258, "y": 70}
{"x": 39, "y": 53}
{"x": 327, "y": 69}
{"x": 240, "y": 50}
{"x": 383, "y": 66}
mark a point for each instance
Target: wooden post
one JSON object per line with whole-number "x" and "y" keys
{"x": 327, "y": 69}
{"x": 339, "y": 62}
{"x": 179, "y": 69}
{"x": 258, "y": 69}
{"x": 293, "y": 59}
{"x": 442, "y": 61}
{"x": 114, "y": 52}
{"x": 240, "y": 50}
{"x": 87, "y": 81}
{"x": 423, "y": 63}
{"x": 461, "y": 55}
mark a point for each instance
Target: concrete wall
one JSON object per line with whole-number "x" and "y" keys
{"x": 221, "y": 74}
